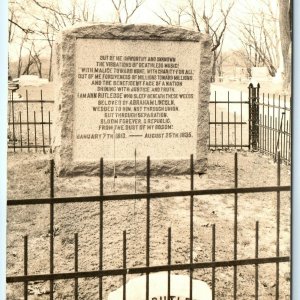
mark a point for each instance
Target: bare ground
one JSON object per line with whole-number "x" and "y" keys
{"x": 28, "y": 177}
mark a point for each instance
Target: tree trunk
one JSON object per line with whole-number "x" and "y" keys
{"x": 39, "y": 68}
{"x": 213, "y": 67}
{"x": 50, "y": 64}
{"x": 285, "y": 38}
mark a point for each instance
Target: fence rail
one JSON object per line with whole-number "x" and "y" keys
{"x": 149, "y": 196}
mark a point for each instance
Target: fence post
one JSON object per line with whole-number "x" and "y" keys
{"x": 253, "y": 117}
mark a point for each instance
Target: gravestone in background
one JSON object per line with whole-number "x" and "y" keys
{"x": 127, "y": 92}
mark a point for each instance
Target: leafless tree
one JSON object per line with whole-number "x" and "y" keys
{"x": 124, "y": 11}
{"x": 49, "y": 17}
{"x": 211, "y": 19}
{"x": 13, "y": 22}
{"x": 285, "y": 38}
{"x": 175, "y": 16}
{"x": 34, "y": 59}
{"x": 17, "y": 31}
{"x": 208, "y": 19}
{"x": 20, "y": 64}
{"x": 259, "y": 37}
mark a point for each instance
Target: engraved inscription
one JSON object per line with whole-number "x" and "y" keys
{"x": 135, "y": 96}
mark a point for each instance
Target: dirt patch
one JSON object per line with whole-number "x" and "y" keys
{"x": 28, "y": 177}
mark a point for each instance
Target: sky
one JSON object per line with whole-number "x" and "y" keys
{"x": 147, "y": 14}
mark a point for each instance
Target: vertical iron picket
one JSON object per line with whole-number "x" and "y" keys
{"x": 169, "y": 260}
{"x": 290, "y": 128}
{"x": 213, "y": 258}
{"x": 222, "y": 131}
{"x": 264, "y": 126}
{"x": 274, "y": 130}
{"x": 148, "y": 227}
{"x": 265, "y": 135}
{"x": 242, "y": 120}
{"x": 191, "y": 223}
{"x": 235, "y": 130}
{"x": 228, "y": 117}
{"x": 42, "y": 117}
{"x": 51, "y": 227}
{"x": 13, "y": 119}
{"x": 256, "y": 256}
{"x": 290, "y": 136}
{"x": 276, "y": 138}
{"x": 279, "y": 137}
{"x": 254, "y": 102}
{"x": 278, "y": 127}
{"x": 268, "y": 129}
{"x": 284, "y": 139}
{"x": 287, "y": 141}
{"x": 271, "y": 136}
{"x": 76, "y": 265}
{"x": 101, "y": 229}
{"x": 257, "y": 102}
{"x": 27, "y": 120}
{"x": 260, "y": 130}
{"x": 284, "y": 128}
{"x": 235, "y": 222}
{"x": 49, "y": 133}
{"x": 124, "y": 263}
{"x": 21, "y": 139}
{"x": 250, "y": 114}
{"x": 35, "y": 143}
{"x": 25, "y": 266}
{"x": 209, "y": 138}
{"x": 215, "y": 119}
{"x": 278, "y": 225}
{"x": 282, "y": 135}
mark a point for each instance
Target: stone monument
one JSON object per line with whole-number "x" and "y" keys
{"x": 125, "y": 92}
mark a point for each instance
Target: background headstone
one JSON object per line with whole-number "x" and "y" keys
{"x": 128, "y": 92}
{"x": 33, "y": 80}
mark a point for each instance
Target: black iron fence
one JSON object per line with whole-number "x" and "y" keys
{"x": 241, "y": 121}
{"x": 229, "y": 121}
{"x": 274, "y": 126}
{"x": 29, "y": 123}
{"x": 214, "y": 266}
{"x": 252, "y": 121}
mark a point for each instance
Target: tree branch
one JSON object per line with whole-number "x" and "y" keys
{"x": 26, "y": 30}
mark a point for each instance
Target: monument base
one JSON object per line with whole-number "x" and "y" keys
{"x": 130, "y": 168}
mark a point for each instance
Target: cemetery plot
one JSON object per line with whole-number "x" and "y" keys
{"x": 130, "y": 215}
